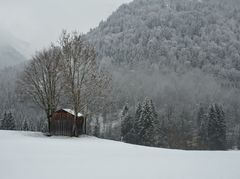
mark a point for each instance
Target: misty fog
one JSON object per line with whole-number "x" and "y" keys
{"x": 40, "y": 22}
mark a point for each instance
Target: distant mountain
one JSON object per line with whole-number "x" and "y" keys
{"x": 12, "y": 50}
{"x": 9, "y": 56}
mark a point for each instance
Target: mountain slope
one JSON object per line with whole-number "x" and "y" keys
{"x": 31, "y": 155}
{"x": 9, "y": 56}
{"x": 172, "y": 33}
{"x": 12, "y": 50}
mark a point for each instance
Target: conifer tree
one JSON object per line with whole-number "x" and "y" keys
{"x": 133, "y": 135}
{"x": 126, "y": 124}
{"x": 147, "y": 123}
{"x": 137, "y": 124}
{"x": 216, "y": 128}
{"x": 3, "y": 126}
{"x": 8, "y": 122}
{"x": 138, "y": 111}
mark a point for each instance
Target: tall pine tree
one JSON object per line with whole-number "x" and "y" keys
{"x": 216, "y": 128}
{"x": 147, "y": 123}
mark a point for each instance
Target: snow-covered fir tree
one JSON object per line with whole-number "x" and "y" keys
{"x": 137, "y": 124}
{"x": 216, "y": 128}
{"x": 147, "y": 123}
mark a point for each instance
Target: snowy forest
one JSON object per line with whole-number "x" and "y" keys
{"x": 174, "y": 67}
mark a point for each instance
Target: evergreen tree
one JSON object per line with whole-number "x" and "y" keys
{"x": 138, "y": 111}
{"x": 147, "y": 123}
{"x": 202, "y": 125}
{"x": 8, "y": 122}
{"x": 133, "y": 135}
{"x": 25, "y": 126}
{"x": 137, "y": 124}
{"x": 4, "y": 121}
{"x": 126, "y": 124}
{"x": 216, "y": 128}
{"x": 161, "y": 133}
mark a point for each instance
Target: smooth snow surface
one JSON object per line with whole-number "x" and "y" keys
{"x": 28, "y": 155}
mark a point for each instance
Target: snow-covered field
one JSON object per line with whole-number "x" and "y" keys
{"x": 28, "y": 155}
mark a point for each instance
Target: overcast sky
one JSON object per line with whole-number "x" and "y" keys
{"x": 40, "y": 21}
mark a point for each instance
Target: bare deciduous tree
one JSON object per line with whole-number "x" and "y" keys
{"x": 41, "y": 80}
{"x": 85, "y": 83}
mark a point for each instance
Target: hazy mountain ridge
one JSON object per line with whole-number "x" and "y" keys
{"x": 12, "y": 50}
{"x": 9, "y": 56}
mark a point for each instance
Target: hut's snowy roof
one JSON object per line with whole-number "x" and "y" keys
{"x": 72, "y": 112}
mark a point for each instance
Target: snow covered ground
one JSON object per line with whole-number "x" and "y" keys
{"x": 28, "y": 155}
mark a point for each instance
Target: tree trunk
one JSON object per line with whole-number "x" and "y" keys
{"x": 85, "y": 125}
{"x": 49, "y": 124}
{"x": 74, "y": 129}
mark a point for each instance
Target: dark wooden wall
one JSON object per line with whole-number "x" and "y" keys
{"x": 62, "y": 123}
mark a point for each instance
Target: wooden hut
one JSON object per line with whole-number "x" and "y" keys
{"x": 61, "y": 123}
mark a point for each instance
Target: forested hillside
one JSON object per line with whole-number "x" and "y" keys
{"x": 202, "y": 35}
{"x": 185, "y": 55}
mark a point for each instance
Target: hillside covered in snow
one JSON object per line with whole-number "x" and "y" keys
{"x": 28, "y": 155}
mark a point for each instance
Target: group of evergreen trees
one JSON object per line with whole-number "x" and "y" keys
{"x": 144, "y": 128}
{"x": 212, "y": 128}
{"x": 8, "y": 123}
{"x": 147, "y": 128}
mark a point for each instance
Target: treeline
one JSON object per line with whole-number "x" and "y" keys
{"x": 8, "y": 123}
{"x": 181, "y": 102}
{"x": 147, "y": 127}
